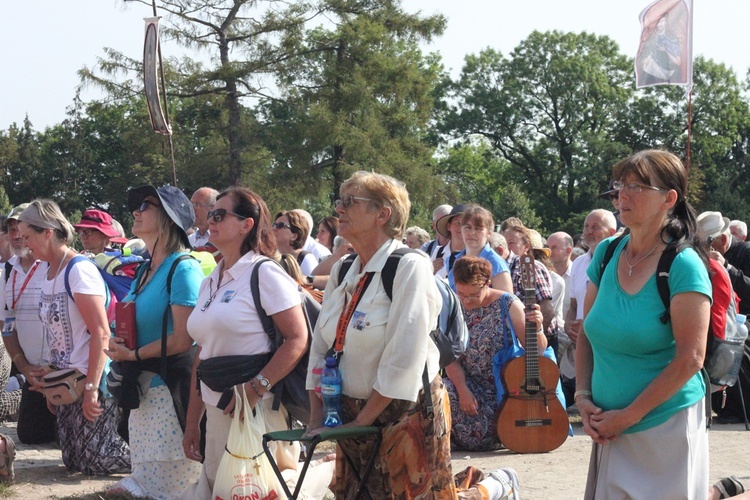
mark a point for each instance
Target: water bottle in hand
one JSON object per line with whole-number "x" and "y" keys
{"x": 330, "y": 387}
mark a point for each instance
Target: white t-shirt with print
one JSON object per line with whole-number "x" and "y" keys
{"x": 65, "y": 332}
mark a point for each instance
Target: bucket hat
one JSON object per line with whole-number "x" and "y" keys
{"x": 99, "y": 220}
{"x": 175, "y": 203}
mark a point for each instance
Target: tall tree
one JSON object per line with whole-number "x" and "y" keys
{"x": 550, "y": 109}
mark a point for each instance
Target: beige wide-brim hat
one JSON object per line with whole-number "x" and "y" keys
{"x": 712, "y": 225}
{"x": 536, "y": 243}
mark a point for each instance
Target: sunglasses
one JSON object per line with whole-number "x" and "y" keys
{"x": 349, "y": 200}
{"x": 281, "y": 225}
{"x": 219, "y": 214}
{"x": 144, "y": 205}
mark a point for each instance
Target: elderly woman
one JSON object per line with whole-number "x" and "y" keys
{"x": 386, "y": 348}
{"x": 415, "y": 237}
{"x": 328, "y": 229}
{"x": 227, "y": 323}
{"x": 291, "y": 231}
{"x": 476, "y": 229}
{"x": 76, "y": 331}
{"x": 494, "y": 317}
{"x": 639, "y": 391}
{"x": 161, "y": 218}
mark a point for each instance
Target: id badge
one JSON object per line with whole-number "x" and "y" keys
{"x": 359, "y": 320}
{"x": 9, "y": 326}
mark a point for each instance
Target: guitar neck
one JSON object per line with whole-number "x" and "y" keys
{"x": 532, "y": 349}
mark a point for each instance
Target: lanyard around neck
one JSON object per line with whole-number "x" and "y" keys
{"x": 15, "y": 299}
{"x": 343, "y": 323}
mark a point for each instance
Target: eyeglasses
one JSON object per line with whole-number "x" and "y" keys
{"x": 349, "y": 200}
{"x": 219, "y": 214}
{"x": 201, "y": 205}
{"x": 86, "y": 231}
{"x": 281, "y": 225}
{"x": 634, "y": 187}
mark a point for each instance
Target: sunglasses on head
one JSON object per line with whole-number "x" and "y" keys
{"x": 219, "y": 214}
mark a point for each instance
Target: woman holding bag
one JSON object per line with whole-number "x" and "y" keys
{"x": 494, "y": 319}
{"x": 76, "y": 331}
{"x": 226, "y": 323}
{"x": 161, "y": 217}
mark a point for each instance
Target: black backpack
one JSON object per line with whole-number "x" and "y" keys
{"x": 291, "y": 389}
{"x": 662, "y": 285}
{"x": 451, "y": 336}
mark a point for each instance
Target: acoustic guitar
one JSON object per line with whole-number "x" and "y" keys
{"x": 531, "y": 419}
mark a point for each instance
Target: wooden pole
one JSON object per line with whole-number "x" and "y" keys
{"x": 166, "y": 108}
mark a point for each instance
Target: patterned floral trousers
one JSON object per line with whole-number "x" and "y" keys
{"x": 414, "y": 457}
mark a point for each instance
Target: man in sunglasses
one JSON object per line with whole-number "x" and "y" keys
{"x": 98, "y": 230}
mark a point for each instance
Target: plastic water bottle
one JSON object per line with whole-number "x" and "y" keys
{"x": 317, "y": 375}
{"x": 330, "y": 388}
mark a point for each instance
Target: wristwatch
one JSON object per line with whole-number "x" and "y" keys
{"x": 263, "y": 381}
{"x": 89, "y": 386}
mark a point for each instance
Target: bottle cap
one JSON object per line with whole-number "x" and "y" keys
{"x": 330, "y": 362}
{"x": 741, "y": 318}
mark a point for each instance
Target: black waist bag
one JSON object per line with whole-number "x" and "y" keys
{"x": 224, "y": 372}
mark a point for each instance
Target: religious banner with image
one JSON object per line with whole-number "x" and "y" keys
{"x": 665, "y": 52}
{"x": 150, "y": 76}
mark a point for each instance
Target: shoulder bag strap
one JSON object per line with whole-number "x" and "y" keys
{"x": 165, "y": 317}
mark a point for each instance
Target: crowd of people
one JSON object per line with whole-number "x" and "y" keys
{"x": 595, "y": 310}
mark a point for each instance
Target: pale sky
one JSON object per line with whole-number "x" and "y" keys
{"x": 43, "y": 43}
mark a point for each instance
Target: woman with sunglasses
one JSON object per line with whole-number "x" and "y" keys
{"x": 291, "y": 231}
{"x": 639, "y": 389}
{"x": 75, "y": 331}
{"x": 226, "y": 323}
{"x": 161, "y": 219}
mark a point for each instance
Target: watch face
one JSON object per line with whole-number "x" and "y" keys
{"x": 263, "y": 381}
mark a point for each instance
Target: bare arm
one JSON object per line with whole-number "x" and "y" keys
{"x": 94, "y": 315}
{"x": 196, "y": 407}
{"x": 690, "y": 313}
{"x": 178, "y": 341}
{"x": 466, "y": 399}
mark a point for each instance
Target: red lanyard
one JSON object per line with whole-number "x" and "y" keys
{"x": 23, "y": 287}
{"x": 341, "y": 326}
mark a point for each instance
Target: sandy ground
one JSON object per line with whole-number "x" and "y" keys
{"x": 560, "y": 474}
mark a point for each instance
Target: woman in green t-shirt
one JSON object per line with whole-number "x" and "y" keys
{"x": 638, "y": 388}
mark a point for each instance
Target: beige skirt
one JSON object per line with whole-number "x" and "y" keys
{"x": 666, "y": 461}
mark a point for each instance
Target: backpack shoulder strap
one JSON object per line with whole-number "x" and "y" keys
{"x": 610, "y": 252}
{"x": 165, "y": 317}
{"x": 662, "y": 279}
{"x": 388, "y": 274}
{"x": 301, "y": 256}
{"x": 8, "y": 269}
{"x": 346, "y": 265}
{"x": 430, "y": 247}
{"x": 77, "y": 258}
{"x": 265, "y": 320}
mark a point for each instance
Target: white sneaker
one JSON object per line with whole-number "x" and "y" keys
{"x": 509, "y": 484}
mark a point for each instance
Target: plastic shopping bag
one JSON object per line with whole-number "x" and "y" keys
{"x": 244, "y": 471}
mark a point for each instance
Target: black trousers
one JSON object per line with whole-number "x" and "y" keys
{"x": 36, "y": 424}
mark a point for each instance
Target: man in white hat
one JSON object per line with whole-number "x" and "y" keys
{"x": 730, "y": 252}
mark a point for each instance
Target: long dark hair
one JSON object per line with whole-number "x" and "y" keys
{"x": 248, "y": 204}
{"x": 664, "y": 170}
